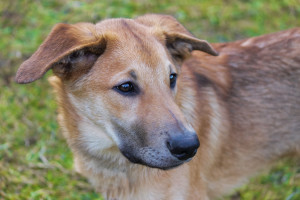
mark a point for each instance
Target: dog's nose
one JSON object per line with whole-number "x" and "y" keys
{"x": 183, "y": 147}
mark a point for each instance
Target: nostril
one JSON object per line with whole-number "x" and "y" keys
{"x": 183, "y": 154}
{"x": 169, "y": 145}
{"x": 194, "y": 152}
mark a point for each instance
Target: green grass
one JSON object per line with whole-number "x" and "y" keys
{"x": 35, "y": 162}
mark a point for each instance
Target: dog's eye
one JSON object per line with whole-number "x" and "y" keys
{"x": 126, "y": 88}
{"x": 173, "y": 80}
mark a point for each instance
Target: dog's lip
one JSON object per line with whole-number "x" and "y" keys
{"x": 172, "y": 167}
{"x": 131, "y": 158}
{"x": 160, "y": 167}
{"x": 176, "y": 165}
{"x": 141, "y": 162}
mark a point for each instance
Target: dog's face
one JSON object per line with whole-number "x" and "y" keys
{"x": 120, "y": 76}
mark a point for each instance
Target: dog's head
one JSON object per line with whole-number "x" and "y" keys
{"x": 120, "y": 76}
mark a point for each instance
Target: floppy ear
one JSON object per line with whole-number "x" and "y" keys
{"x": 181, "y": 45}
{"x": 179, "y": 41}
{"x": 66, "y": 46}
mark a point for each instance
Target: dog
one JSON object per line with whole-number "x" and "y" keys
{"x": 136, "y": 97}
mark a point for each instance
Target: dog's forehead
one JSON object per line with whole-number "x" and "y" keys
{"x": 133, "y": 43}
{"x": 130, "y": 34}
{"x": 122, "y": 26}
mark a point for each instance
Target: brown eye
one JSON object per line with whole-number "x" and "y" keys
{"x": 173, "y": 80}
{"x": 127, "y": 88}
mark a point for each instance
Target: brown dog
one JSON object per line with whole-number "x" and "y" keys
{"x": 126, "y": 117}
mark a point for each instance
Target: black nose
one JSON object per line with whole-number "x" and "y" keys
{"x": 183, "y": 147}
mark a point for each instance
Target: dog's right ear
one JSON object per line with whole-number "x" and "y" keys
{"x": 65, "y": 46}
{"x": 179, "y": 41}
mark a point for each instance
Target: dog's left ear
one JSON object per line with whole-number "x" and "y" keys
{"x": 179, "y": 41}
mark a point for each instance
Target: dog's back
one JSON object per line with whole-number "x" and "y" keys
{"x": 265, "y": 94}
{"x": 258, "y": 81}
{"x": 266, "y": 89}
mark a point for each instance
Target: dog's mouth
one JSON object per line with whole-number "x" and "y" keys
{"x": 165, "y": 167}
{"x": 153, "y": 158}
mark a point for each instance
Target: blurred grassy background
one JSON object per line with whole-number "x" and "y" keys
{"x": 35, "y": 162}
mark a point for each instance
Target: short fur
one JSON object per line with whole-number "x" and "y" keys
{"x": 244, "y": 105}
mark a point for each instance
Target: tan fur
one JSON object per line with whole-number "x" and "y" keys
{"x": 243, "y": 104}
